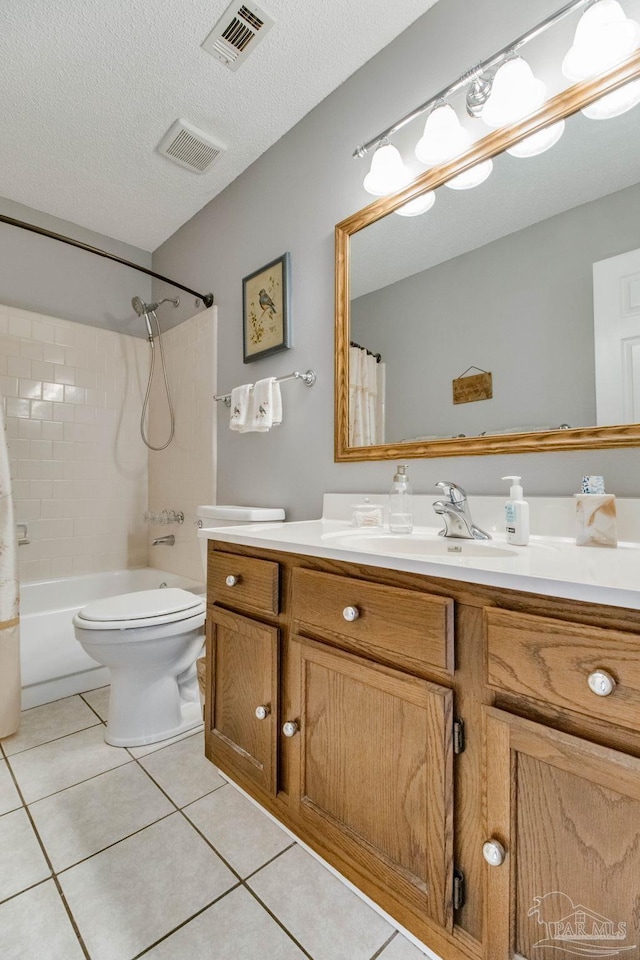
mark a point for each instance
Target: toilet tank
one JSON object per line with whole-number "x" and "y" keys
{"x": 226, "y": 515}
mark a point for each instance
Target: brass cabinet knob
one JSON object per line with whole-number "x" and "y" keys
{"x": 350, "y": 614}
{"x": 601, "y": 683}
{"x": 233, "y": 579}
{"x": 263, "y": 711}
{"x": 290, "y": 728}
{"x": 493, "y": 852}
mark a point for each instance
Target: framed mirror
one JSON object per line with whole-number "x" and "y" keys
{"x": 506, "y": 319}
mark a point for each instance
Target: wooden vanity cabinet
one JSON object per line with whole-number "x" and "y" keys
{"x": 518, "y": 841}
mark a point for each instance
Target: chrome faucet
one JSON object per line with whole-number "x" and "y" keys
{"x": 170, "y": 540}
{"x": 456, "y": 514}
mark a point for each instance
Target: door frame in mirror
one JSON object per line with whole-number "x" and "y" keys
{"x": 563, "y": 105}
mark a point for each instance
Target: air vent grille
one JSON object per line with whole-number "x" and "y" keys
{"x": 189, "y": 147}
{"x": 237, "y": 33}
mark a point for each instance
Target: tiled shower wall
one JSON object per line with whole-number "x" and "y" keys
{"x": 73, "y": 396}
{"x": 183, "y": 476}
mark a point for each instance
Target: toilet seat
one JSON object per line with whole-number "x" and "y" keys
{"x": 144, "y": 608}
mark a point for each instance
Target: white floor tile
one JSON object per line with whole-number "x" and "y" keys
{"x": 153, "y": 747}
{"x": 9, "y": 798}
{"x": 99, "y": 700}
{"x": 127, "y": 897}
{"x": 401, "y": 949}
{"x": 244, "y": 836}
{"x": 239, "y": 928}
{"x": 23, "y": 862}
{"x": 183, "y": 771}
{"x": 330, "y": 921}
{"x": 84, "y": 819}
{"x": 53, "y": 766}
{"x": 49, "y": 722}
{"x": 35, "y": 925}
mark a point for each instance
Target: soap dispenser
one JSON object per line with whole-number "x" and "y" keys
{"x": 400, "y": 510}
{"x": 516, "y": 514}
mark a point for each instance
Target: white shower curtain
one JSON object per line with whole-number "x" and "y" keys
{"x": 366, "y": 398}
{"x": 9, "y": 594}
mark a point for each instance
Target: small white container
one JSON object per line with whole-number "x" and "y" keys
{"x": 516, "y": 514}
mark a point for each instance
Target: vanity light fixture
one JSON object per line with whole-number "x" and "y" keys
{"x": 388, "y": 172}
{"x": 515, "y": 93}
{"x": 604, "y": 36}
{"x": 503, "y": 90}
{"x": 420, "y": 205}
{"x": 444, "y": 137}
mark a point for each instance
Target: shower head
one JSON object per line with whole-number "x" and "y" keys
{"x": 142, "y": 308}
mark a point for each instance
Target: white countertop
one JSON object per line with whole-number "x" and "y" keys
{"x": 551, "y": 566}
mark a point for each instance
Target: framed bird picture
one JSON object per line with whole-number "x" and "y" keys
{"x": 266, "y": 323}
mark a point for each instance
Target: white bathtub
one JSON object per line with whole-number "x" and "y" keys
{"x": 54, "y": 664}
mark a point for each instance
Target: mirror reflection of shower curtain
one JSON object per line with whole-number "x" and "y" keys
{"x": 9, "y": 593}
{"x": 366, "y": 398}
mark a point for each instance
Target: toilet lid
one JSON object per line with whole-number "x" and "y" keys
{"x": 141, "y": 605}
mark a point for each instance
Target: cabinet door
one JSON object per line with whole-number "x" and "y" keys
{"x": 241, "y": 737}
{"x": 566, "y": 813}
{"x": 372, "y": 771}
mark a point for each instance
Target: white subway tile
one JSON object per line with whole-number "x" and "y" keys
{"x": 30, "y": 389}
{"x": 53, "y": 391}
{"x": 51, "y": 430}
{"x": 17, "y": 408}
{"x": 19, "y": 323}
{"x": 18, "y": 366}
{"x": 44, "y": 332}
{"x": 41, "y": 410}
{"x": 9, "y": 386}
{"x": 64, "y": 374}
{"x": 74, "y": 394}
{"x": 31, "y": 350}
{"x": 65, "y": 335}
{"x": 53, "y": 353}
{"x": 42, "y": 370}
{"x": 63, "y": 412}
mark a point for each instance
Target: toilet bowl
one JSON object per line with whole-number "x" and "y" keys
{"x": 150, "y": 640}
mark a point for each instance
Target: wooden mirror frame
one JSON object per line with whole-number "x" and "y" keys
{"x": 561, "y": 106}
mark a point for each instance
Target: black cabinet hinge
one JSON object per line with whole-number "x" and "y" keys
{"x": 458, "y": 889}
{"x": 458, "y": 735}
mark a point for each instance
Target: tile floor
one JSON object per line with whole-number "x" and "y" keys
{"x": 114, "y": 854}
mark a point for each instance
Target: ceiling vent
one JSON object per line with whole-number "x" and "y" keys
{"x": 189, "y": 147}
{"x": 237, "y": 33}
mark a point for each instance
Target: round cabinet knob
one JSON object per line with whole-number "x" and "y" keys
{"x": 262, "y": 712}
{"x": 232, "y": 580}
{"x": 601, "y": 683}
{"x": 290, "y": 728}
{"x": 493, "y": 852}
{"x": 350, "y": 614}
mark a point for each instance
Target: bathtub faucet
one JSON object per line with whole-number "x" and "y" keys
{"x": 170, "y": 540}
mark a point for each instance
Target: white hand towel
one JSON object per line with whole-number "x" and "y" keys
{"x": 240, "y": 407}
{"x": 267, "y": 405}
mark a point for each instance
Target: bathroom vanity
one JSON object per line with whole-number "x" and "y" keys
{"x": 465, "y": 752}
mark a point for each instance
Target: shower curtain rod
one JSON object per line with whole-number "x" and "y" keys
{"x": 207, "y": 298}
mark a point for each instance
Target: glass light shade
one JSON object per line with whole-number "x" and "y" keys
{"x": 420, "y": 205}
{"x": 604, "y": 37}
{"x": 444, "y": 137}
{"x": 388, "y": 172}
{"x": 615, "y": 103}
{"x": 471, "y": 178}
{"x": 538, "y": 142}
{"x": 515, "y": 94}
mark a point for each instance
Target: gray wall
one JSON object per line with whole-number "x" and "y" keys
{"x": 524, "y": 310}
{"x": 45, "y": 276}
{"x": 290, "y": 199}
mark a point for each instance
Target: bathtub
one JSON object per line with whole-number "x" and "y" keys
{"x": 54, "y": 664}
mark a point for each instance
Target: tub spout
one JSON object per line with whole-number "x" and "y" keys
{"x": 170, "y": 540}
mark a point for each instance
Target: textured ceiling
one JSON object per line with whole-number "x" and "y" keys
{"x": 90, "y": 87}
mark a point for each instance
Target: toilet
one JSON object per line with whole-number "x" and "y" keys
{"x": 150, "y": 640}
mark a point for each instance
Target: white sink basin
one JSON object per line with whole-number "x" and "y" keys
{"x": 417, "y": 545}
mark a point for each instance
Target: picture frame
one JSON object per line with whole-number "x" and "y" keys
{"x": 266, "y": 320}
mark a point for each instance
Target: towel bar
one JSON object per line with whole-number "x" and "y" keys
{"x": 309, "y": 378}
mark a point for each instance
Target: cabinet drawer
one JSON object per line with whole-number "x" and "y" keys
{"x": 395, "y": 623}
{"x": 552, "y": 661}
{"x": 255, "y": 583}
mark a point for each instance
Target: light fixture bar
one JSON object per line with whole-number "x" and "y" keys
{"x": 469, "y": 75}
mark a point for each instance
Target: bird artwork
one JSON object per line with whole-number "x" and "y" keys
{"x": 266, "y": 302}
